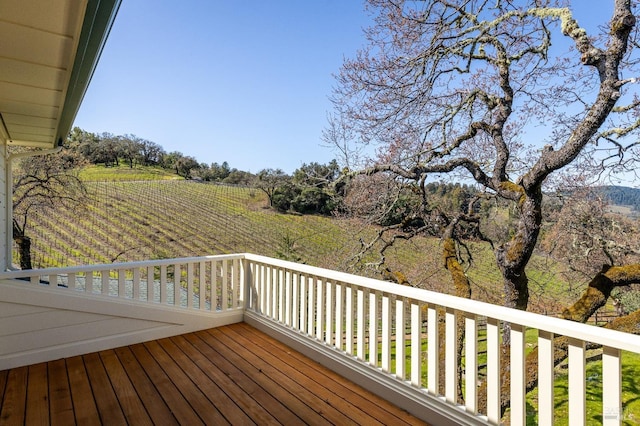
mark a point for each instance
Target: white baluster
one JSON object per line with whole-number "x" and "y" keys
{"x": 311, "y": 305}
{"x": 104, "y": 276}
{"x": 121, "y": 287}
{"x": 401, "y": 356}
{"x": 518, "y": 376}
{"x": 349, "y": 318}
{"x": 493, "y": 370}
{"x": 304, "y": 298}
{"x": 471, "y": 363}
{"x": 71, "y": 281}
{"x": 451, "y": 356}
{"x": 373, "y": 328}
{"x": 202, "y": 286}
{"x": 295, "y": 300}
{"x": 136, "y": 283}
{"x": 319, "y": 308}
{"x": 360, "y": 323}
{"x": 177, "y": 278}
{"x": 545, "y": 378}
{"x": 151, "y": 296}
{"x": 416, "y": 345}
{"x": 577, "y": 384}
{"x": 433, "y": 354}
{"x": 386, "y": 334}
{"x": 612, "y": 386}
{"x": 329, "y": 300}
{"x": 190, "y": 285}
{"x": 163, "y": 284}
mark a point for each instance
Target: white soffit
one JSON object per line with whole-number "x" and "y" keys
{"x": 48, "y": 51}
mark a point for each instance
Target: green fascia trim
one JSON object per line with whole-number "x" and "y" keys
{"x": 98, "y": 21}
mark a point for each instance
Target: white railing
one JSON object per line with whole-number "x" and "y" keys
{"x": 209, "y": 283}
{"x": 381, "y": 324}
{"x": 376, "y": 324}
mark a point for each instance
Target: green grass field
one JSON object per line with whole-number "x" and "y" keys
{"x": 630, "y": 383}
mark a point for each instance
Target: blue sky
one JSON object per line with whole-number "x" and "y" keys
{"x": 243, "y": 82}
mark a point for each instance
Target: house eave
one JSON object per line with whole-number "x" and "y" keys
{"x": 98, "y": 20}
{"x": 48, "y": 56}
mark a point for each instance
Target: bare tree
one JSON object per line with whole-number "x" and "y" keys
{"x": 586, "y": 235}
{"x": 41, "y": 183}
{"x": 475, "y": 90}
{"x": 339, "y": 136}
{"x": 462, "y": 88}
{"x": 268, "y": 180}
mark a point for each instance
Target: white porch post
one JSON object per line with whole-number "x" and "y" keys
{"x": 6, "y": 228}
{"x": 6, "y": 173}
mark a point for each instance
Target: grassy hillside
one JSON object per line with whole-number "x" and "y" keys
{"x": 129, "y": 220}
{"x": 125, "y": 173}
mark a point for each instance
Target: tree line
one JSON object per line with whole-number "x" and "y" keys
{"x": 310, "y": 189}
{"x": 114, "y": 150}
{"x": 622, "y": 195}
{"x": 307, "y": 190}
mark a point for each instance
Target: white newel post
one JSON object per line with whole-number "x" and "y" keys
{"x": 245, "y": 279}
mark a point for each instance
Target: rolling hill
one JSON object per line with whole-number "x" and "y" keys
{"x": 130, "y": 220}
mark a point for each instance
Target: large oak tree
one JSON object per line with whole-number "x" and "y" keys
{"x": 42, "y": 183}
{"x": 477, "y": 89}
{"x": 517, "y": 96}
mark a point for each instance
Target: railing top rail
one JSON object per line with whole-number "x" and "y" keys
{"x": 113, "y": 266}
{"x": 590, "y": 333}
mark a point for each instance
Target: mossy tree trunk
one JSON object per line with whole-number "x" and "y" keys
{"x": 462, "y": 288}
{"x": 513, "y": 256}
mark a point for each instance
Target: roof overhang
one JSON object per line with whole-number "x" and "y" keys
{"x": 49, "y": 51}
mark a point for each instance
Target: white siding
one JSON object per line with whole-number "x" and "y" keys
{"x": 39, "y": 324}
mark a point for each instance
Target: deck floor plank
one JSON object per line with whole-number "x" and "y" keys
{"x": 348, "y": 397}
{"x": 246, "y": 384}
{"x": 149, "y": 395}
{"x": 37, "y": 395}
{"x": 84, "y": 405}
{"x": 303, "y": 372}
{"x": 178, "y": 405}
{"x": 60, "y": 403}
{"x": 356, "y": 396}
{"x": 227, "y": 407}
{"x": 275, "y": 387}
{"x": 130, "y": 402}
{"x": 14, "y": 401}
{"x": 207, "y": 411}
{"x": 228, "y": 375}
{"x": 103, "y": 393}
{"x": 297, "y": 381}
{"x": 254, "y": 410}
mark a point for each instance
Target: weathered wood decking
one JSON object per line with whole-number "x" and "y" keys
{"x": 227, "y": 375}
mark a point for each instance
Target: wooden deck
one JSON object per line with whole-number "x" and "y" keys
{"x": 228, "y": 375}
